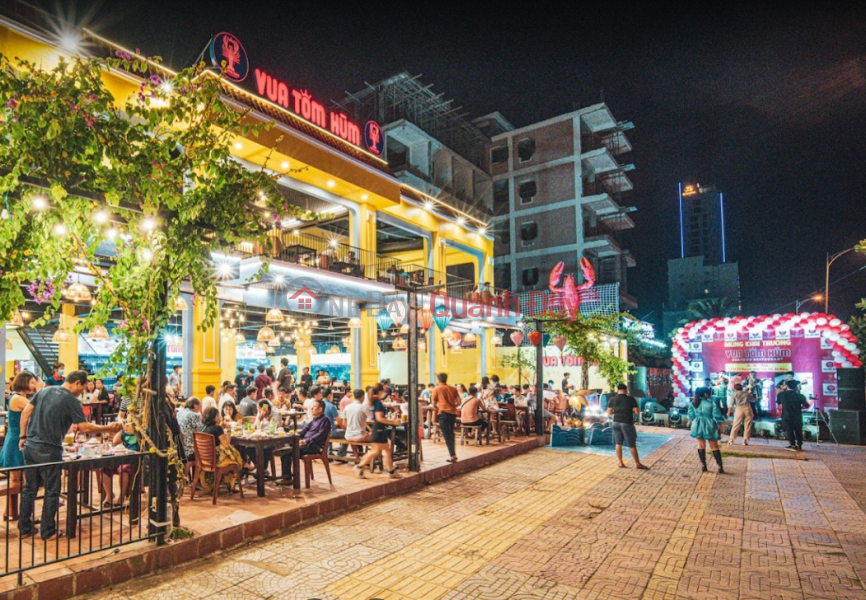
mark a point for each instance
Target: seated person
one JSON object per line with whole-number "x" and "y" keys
{"x": 230, "y": 413}
{"x": 130, "y": 441}
{"x": 355, "y": 415}
{"x": 469, "y": 412}
{"x": 312, "y": 439}
{"x": 226, "y": 454}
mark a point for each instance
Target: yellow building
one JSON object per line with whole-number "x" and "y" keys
{"x": 374, "y": 239}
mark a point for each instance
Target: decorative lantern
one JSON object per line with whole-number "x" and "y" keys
{"x": 334, "y": 349}
{"x": 442, "y": 320}
{"x": 274, "y": 343}
{"x": 422, "y": 345}
{"x": 517, "y": 338}
{"x": 404, "y": 328}
{"x": 78, "y": 292}
{"x": 399, "y": 344}
{"x": 397, "y": 311}
{"x": 313, "y": 350}
{"x": 270, "y": 350}
{"x": 384, "y": 320}
{"x": 61, "y": 336}
{"x": 560, "y": 342}
{"x": 261, "y": 347}
{"x": 18, "y": 320}
{"x": 275, "y": 315}
{"x": 496, "y": 340}
{"x": 455, "y": 338}
{"x": 425, "y": 319}
{"x": 265, "y": 334}
{"x": 355, "y": 323}
{"x": 469, "y": 338}
{"x": 99, "y": 332}
{"x": 8, "y": 344}
{"x": 456, "y": 349}
{"x": 240, "y": 338}
{"x": 447, "y": 333}
{"x": 180, "y": 304}
{"x": 535, "y": 337}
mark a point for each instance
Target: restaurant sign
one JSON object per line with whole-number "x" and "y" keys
{"x": 228, "y": 55}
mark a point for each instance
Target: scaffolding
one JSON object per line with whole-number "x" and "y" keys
{"x": 404, "y": 96}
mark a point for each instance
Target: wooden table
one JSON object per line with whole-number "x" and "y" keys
{"x": 95, "y": 410}
{"x": 275, "y": 442}
{"x": 295, "y": 252}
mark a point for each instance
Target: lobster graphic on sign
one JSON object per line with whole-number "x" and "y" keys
{"x": 568, "y": 297}
{"x": 228, "y": 55}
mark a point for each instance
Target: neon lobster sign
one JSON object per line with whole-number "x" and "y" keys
{"x": 302, "y": 104}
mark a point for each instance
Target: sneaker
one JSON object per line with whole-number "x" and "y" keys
{"x": 394, "y": 475}
{"x": 790, "y": 447}
{"x": 359, "y": 471}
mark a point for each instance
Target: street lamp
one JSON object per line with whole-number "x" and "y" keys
{"x": 806, "y": 300}
{"x": 831, "y": 258}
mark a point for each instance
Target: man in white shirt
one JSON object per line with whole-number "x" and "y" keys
{"x": 356, "y": 419}
{"x": 174, "y": 380}
{"x": 230, "y": 395}
{"x": 208, "y": 400}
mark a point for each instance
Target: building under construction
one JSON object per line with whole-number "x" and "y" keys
{"x": 551, "y": 190}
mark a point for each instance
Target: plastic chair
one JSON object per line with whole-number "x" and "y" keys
{"x": 323, "y": 456}
{"x": 205, "y": 462}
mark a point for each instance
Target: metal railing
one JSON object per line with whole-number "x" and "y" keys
{"x": 310, "y": 250}
{"x": 89, "y": 521}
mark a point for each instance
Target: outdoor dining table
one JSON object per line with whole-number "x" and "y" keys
{"x": 95, "y": 410}
{"x": 260, "y": 442}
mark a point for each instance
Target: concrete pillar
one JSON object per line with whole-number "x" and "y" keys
{"x": 206, "y": 368}
{"x": 68, "y": 353}
{"x": 187, "y": 328}
{"x": 368, "y": 339}
{"x": 5, "y": 371}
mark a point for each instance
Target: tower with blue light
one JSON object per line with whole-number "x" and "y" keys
{"x": 702, "y": 222}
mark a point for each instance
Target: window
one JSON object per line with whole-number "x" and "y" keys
{"x": 525, "y": 149}
{"x": 503, "y": 278}
{"x": 530, "y": 276}
{"x": 505, "y": 236}
{"x": 527, "y": 191}
{"x": 499, "y": 155}
{"x": 500, "y": 197}
{"x": 528, "y": 233}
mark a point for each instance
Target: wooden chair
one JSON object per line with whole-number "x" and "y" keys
{"x": 464, "y": 429}
{"x": 323, "y": 456}
{"x": 205, "y": 462}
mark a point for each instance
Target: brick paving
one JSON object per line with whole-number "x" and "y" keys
{"x": 556, "y": 525}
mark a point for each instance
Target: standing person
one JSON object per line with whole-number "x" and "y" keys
{"x": 241, "y": 380}
{"x": 755, "y": 387}
{"x": 741, "y": 408}
{"x": 175, "y": 381}
{"x": 706, "y": 417}
{"x": 58, "y": 370}
{"x": 793, "y": 403}
{"x": 24, "y": 385}
{"x": 285, "y": 378}
{"x": 356, "y": 418}
{"x": 623, "y": 408}
{"x": 565, "y": 377}
{"x": 446, "y": 402}
{"x": 262, "y": 381}
{"x": 209, "y": 399}
{"x": 44, "y": 423}
{"x": 230, "y": 395}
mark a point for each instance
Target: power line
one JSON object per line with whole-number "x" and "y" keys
{"x": 821, "y": 290}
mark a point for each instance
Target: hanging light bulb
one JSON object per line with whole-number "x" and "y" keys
{"x": 422, "y": 345}
{"x": 61, "y": 336}
{"x": 180, "y": 304}
{"x": 355, "y": 323}
{"x": 399, "y": 343}
{"x": 313, "y": 350}
{"x": 274, "y": 343}
{"x": 99, "y": 332}
{"x": 261, "y": 347}
{"x": 496, "y": 340}
{"x": 404, "y": 328}
{"x": 270, "y": 350}
{"x": 334, "y": 349}
{"x": 447, "y": 333}
{"x": 265, "y": 334}
{"x": 469, "y": 337}
{"x": 275, "y": 315}
{"x": 331, "y": 326}
{"x": 78, "y": 292}
{"x": 17, "y": 320}
{"x": 240, "y": 338}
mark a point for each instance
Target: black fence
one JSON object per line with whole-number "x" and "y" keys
{"x": 101, "y": 509}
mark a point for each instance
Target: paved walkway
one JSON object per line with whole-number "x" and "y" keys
{"x": 558, "y": 525}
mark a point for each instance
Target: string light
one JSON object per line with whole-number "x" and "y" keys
{"x": 100, "y": 217}
{"x": 39, "y": 203}
{"x": 60, "y": 229}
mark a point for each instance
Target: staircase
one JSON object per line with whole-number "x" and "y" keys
{"x": 38, "y": 341}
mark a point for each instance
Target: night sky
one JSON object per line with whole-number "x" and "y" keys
{"x": 771, "y": 107}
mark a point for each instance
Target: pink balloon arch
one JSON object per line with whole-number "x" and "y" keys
{"x": 840, "y": 343}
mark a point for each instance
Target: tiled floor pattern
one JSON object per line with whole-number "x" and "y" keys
{"x": 555, "y": 525}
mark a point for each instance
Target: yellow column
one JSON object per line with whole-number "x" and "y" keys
{"x": 368, "y": 333}
{"x": 440, "y": 266}
{"x": 228, "y": 358}
{"x": 303, "y": 353}
{"x": 68, "y": 353}
{"x": 206, "y": 369}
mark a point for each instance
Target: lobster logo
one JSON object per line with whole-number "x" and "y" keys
{"x": 228, "y": 55}
{"x": 373, "y": 138}
{"x": 567, "y": 298}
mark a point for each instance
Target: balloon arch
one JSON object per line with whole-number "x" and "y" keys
{"x": 838, "y": 345}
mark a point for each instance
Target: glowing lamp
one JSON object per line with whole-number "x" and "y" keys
{"x": 265, "y": 334}
{"x": 535, "y": 337}
{"x": 275, "y": 315}
{"x": 99, "y": 332}
{"x": 180, "y": 304}
{"x": 240, "y": 338}
{"x": 61, "y": 336}
{"x": 355, "y": 323}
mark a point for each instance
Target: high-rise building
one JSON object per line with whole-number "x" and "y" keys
{"x": 702, "y": 271}
{"x": 552, "y": 190}
{"x": 702, "y": 223}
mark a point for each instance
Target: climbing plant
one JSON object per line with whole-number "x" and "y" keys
{"x": 136, "y": 191}
{"x": 593, "y": 338}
